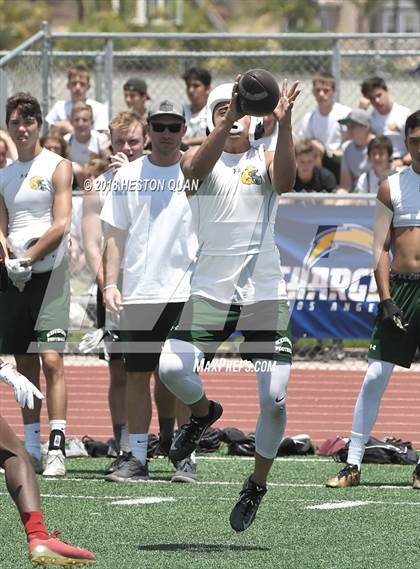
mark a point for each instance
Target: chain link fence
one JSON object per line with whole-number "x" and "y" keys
{"x": 40, "y": 67}
{"x": 161, "y": 59}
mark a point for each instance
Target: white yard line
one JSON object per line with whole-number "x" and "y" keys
{"x": 145, "y": 500}
{"x": 228, "y": 483}
{"x": 348, "y": 504}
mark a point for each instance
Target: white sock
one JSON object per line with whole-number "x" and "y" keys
{"x": 138, "y": 446}
{"x": 357, "y": 449}
{"x": 193, "y": 457}
{"x": 124, "y": 444}
{"x": 58, "y": 425}
{"x": 33, "y": 439}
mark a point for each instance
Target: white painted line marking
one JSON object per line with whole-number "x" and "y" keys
{"x": 348, "y": 504}
{"x": 147, "y": 500}
{"x": 229, "y": 483}
{"x": 281, "y": 459}
{"x": 336, "y": 505}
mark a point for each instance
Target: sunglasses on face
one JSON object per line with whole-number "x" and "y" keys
{"x": 160, "y": 126}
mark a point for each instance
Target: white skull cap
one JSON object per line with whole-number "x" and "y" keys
{"x": 219, "y": 94}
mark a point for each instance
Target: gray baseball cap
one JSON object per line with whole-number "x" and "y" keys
{"x": 166, "y": 108}
{"x": 358, "y": 116}
{"x": 136, "y": 84}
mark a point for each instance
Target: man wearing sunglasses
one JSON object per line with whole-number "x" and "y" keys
{"x": 149, "y": 228}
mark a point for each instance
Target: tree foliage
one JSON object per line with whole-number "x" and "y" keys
{"x": 20, "y": 19}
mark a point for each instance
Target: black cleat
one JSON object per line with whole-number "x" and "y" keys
{"x": 416, "y": 477}
{"x": 131, "y": 470}
{"x": 347, "y": 477}
{"x": 187, "y": 438}
{"x": 245, "y": 509}
{"x": 117, "y": 463}
{"x": 186, "y": 471}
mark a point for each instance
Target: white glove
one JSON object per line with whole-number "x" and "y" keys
{"x": 91, "y": 341}
{"x": 19, "y": 271}
{"x": 24, "y": 389}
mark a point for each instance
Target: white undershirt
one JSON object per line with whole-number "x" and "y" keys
{"x": 160, "y": 245}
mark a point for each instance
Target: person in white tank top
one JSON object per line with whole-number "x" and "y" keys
{"x": 237, "y": 281}
{"x": 396, "y": 335}
{"x": 35, "y": 214}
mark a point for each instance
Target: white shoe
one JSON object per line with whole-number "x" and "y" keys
{"x": 55, "y": 464}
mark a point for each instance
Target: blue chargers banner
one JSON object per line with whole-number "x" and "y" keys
{"x": 327, "y": 258}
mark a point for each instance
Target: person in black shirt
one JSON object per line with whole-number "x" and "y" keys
{"x": 309, "y": 177}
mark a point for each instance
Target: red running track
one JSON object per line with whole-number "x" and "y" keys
{"x": 320, "y": 403}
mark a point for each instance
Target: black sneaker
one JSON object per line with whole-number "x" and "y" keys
{"x": 187, "y": 438}
{"x": 131, "y": 470}
{"x": 186, "y": 471}
{"x": 245, "y": 509}
{"x": 416, "y": 477}
{"x": 115, "y": 464}
{"x": 163, "y": 447}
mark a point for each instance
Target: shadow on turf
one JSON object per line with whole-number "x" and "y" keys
{"x": 200, "y": 547}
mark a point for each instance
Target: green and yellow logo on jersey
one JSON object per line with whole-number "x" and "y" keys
{"x": 251, "y": 176}
{"x": 38, "y": 183}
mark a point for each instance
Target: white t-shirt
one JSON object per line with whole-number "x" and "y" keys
{"x": 161, "y": 245}
{"x": 234, "y": 212}
{"x": 80, "y": 152}
{"x": 367, "y": 183}
{"x": 392, "y": 125}
{"x": 326, "y": 128}
{"x": 268, "y": 141}
{"x": 61, "y": 111}
{"x": 28, "y": 193}
{"x": 196, "y": 123}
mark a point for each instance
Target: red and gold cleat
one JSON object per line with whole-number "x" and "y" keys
{"x": 53, "y": 551}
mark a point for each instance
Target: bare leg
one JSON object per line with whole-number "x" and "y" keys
{"x": 53, "y": 368}
{"x": 261, "y": 469}
{"x": 201, "y": 408}
{"x": 28, "y": 365}
{"x": 165, "y": 400}
{"x": 183, "y": 413}
{"x": 139, "y": 404}
{"x": 20, "y": 476}
{"x": 117, "y": 397}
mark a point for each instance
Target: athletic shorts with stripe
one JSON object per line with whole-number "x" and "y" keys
{"x": 40, "y": 313}
{"x": 390, "y": 344}
{"x": 265, "y": 326}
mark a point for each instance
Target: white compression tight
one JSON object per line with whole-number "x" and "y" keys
{"x": 272, "y": 388}
{"x": 367, "y": 407}
{"x": 176, "y": 370}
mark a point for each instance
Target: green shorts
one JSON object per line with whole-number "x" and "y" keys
{"x": 40, "y": 313}
{"x": 387, "y": 342}
{"x": 265, "y": 326}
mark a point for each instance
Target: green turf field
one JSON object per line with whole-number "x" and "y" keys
{"x": 191, "y": 528}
